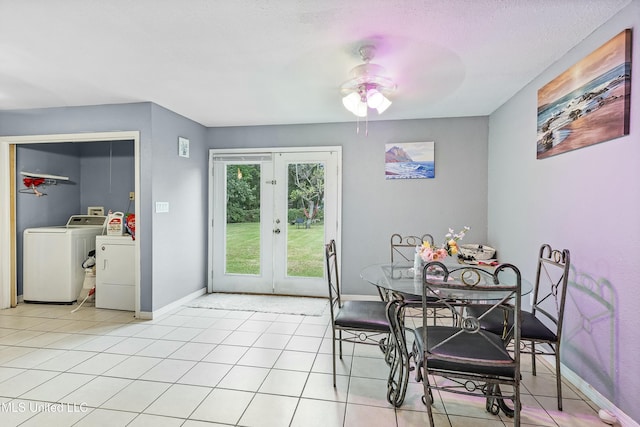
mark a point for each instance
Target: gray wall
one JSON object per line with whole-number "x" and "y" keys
{"x": 100, "y": 118}
{"x": 373, "y": 208}
{"x": 100, "y": 174}
{"x": 585, "y": 200}
{"x": 176, "y": 264}
{"x": 107, "y": 176}
{"x": 180, "y": 235}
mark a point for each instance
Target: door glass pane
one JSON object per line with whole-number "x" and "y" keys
{"x": 243, "y": 219}
{"x": 305, "y": 237}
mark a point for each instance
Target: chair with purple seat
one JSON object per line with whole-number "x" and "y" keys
{"x": 356, "y": 322}
{"x": 542, "y": 326}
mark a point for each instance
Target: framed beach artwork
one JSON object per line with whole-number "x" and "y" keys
{"x": 409, "y": 160}
{"x": 588, "y": 103}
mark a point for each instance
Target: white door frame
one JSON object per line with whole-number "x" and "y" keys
{"x": 7, "y": 229}
{"x": 248, "y": 151}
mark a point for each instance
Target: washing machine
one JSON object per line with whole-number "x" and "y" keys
{"x": 53, "y": 256}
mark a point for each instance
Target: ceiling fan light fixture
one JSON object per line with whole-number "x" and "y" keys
{"x": 361, "y": 109}
{"x": 367, "y": 86}
{"x": 383, "y": 105}
{"x": 351, "y": 101}
{"x": 374, "y": 98}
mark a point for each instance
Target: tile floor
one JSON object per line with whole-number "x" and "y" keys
{"x": 201, "y": 367}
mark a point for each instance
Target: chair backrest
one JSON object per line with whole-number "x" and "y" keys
{"x": 500, "y": 289}
{"x": 550, "y": 289}
{"x": 333, "y": 280}
{"x": 403, "y": 248}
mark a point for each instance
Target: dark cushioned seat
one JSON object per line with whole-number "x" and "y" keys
{"x": 531, "y": 326}
{"x": 479, "y": 347}
{"x": 367, "y": 315}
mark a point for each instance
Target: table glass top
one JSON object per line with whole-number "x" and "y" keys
{"x": 402, "y": 278}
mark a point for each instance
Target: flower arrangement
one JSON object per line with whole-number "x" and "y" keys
{"x": 449, "y": 247}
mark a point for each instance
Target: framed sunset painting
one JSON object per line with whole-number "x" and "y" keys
{"x": 409, "y": 160}
{"x": 588, "y": 103}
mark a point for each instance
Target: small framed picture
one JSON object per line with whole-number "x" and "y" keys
{"x": 183, "y": 147}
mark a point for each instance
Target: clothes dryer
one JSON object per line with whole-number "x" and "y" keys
{"x": 53, "y": 256}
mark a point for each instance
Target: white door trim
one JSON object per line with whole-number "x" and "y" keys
{"x": 239, "y": 152}
{"x": 7, "y": 232}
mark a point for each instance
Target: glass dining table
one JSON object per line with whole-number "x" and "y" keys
{"x": 402, "y": 283}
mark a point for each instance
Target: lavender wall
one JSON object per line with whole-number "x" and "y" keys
{"x": 585, "y": 200}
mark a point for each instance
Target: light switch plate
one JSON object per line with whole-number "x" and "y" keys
{"x": 162, "y": 207}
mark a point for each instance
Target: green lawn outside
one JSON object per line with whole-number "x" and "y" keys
{"x": 305, "y": 249}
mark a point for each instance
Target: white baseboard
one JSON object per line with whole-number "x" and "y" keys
{"x": 150, "y": 315}
{"x": 591, "y": 393}
{"x": 360, "y": 297}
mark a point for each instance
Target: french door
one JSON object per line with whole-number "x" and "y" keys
{"x": 272, "y": 213}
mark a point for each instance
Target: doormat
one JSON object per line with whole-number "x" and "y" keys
{"x": 306, "y": 306}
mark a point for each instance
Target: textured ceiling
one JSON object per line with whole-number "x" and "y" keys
{"x": 252, "y": 62}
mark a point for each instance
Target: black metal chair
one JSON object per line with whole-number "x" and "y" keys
{"x": 473, "y": 360}
{"x": 357, "y": 322}
{"x": 543, "y": 324}
{"x": 403, "y": 249}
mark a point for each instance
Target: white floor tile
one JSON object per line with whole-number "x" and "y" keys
{"x": 320, "y": 386}
{"x": 182, "y": 334}
{"x": 131, "y": 345}
{"x": 146, "y": 420}
{"x": 33, "y": 358}
{"x": 192, "y": 351}
{"x": 57, "y": 387}
{"x": 6, "y": 373}
{"x": 295, "y": 360}
{"x": 324, "y": 364}
{"x": 276, "y": 341}
{"x": 229, "y": 354}
{"x": 10, "y": 353}
{"x": 100, "y": 343}
{"x": 165, "y": 371}
{"x": 205, "y": 374}
{"x": 178, "y": 401}
{"x": 96, "y": 392}
{"x": 106, "y": 418}
{"x": 319, "y": 413}
{"x": 24, "y": 381}
{"x": 223, "y": 406}
{"x": 98, "y": 364}
{"x": 136, "y": 396}
{"x": 228, "y": 324}
{"x": 299, "y": 343}
{"x": 254, "y": 326}
{"x": 63, "y": 416}
{"x": 368, "y": 391}
{"x": 155, "y": 331}
{"x": 133, "y": 367}
{"x": 212, "y": 336}
{"x": 260, "y": 357}
{"x": 369, "y": 416}
{"x": 168, "y": 370}
{"x": 66, "y": 360}
{"x": 311, "y": 330}
{"x": 245, "y": 378}
{"x": 241, "y": 338}
{"x": 269, "y": 411}
{"x": 285, "y": 383}
{"x": 160, "y": 348}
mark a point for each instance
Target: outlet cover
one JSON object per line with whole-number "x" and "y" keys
{"x": 162, "y": 207}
